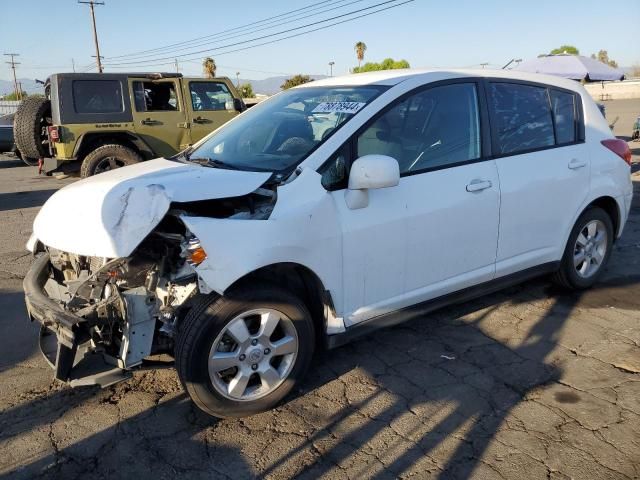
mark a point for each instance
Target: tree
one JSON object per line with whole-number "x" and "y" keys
{"x": 13, "y": 96}
{"x": 246, "y": 91}
{"x": 386, "y": 64}
{"x": 296, "y": 80}
{"x": 569, "y": 49}
{"x": 209, "y": 67}
{"x": 603, "y": 56}
{"x": 360, "y": 48}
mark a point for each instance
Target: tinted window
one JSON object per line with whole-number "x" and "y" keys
{"x": 210, "y": 96}
{"x": 433, "y": 128}
{"x": 521, "y": 116}
{"x": 564, "y": 113}
{"x": 97, "y": 96}
{"x": 155, "y": 97}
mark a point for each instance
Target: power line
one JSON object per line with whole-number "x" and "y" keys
{"x": 91, "y": 4}
{"x": 13, "y": 63}
{"x": 270, "y": 25}
{"x": 278, "y": 33}
{"x": 241, "y": 27}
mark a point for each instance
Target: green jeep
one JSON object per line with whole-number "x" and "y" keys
{"x": 97, "y": 122}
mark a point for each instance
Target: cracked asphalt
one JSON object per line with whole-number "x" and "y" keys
{"x": 531, "y": 382}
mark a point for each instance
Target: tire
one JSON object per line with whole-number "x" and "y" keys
{"x": 206, "y": 325}
{"x": 108, "y": 157}
{"x": 29, "y": 125}
{"x": 569, "y": 274}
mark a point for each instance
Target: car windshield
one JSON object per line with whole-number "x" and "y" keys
{"x": 279, "y": 134}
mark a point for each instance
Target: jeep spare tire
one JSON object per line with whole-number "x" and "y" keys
{"x": 30, "y": 127}
{"x": 108, "y": 157}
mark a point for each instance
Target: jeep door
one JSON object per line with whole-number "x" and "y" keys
{"x": 210, "y": 104}
{"x": 437, "y": 230}
{"x": 159, "y": 115}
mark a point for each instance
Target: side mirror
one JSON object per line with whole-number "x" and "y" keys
{"x": 370, "y": 172}
{"x": 238, "y": 105}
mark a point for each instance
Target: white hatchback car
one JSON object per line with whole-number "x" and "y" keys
{"x": 327, "y": 211}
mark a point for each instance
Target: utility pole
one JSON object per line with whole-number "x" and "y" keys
{"x": 73, "y": 65}
{"x": 13, "y": 64}
{"x": 95, "y": 33}
{"x": 177, "y": 68}
{"x": 331, "y": 64}
{"x": 484, "y": 64}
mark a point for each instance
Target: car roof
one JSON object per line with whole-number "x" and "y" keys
{"x": 394, "y": 77}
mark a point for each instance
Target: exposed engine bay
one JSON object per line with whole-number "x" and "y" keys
{"x": 129, "y": 308}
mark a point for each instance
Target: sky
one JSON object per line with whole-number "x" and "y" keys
{"x": 427, "y": 33}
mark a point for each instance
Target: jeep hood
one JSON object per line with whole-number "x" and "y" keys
{"x": 110, "y": 214}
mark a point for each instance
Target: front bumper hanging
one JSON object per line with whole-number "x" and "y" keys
{"x": 64, "y": 337}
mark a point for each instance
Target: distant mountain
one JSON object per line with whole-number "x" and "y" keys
{"x": 267, "y": 86}
{"x": 28, "y": 85}
{"x": 271, "y": 85}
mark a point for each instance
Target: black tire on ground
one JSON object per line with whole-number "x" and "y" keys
{"x": 567, "y": 276}
{"x": 207, "y": 319}
{"x": 29, "y": 127}
{"x": 108, "y": 157}
{"x": 32, "y": 162}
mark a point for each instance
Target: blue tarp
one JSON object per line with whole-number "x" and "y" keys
{"x": 575, "y": 67}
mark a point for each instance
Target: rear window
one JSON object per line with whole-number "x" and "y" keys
{"x": 522, "y": 117}
{"x": 97, "y": 96}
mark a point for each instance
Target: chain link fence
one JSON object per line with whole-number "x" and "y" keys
{"x": 8, "y": 107}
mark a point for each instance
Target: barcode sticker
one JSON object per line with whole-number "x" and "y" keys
{"x": 338, "y": 107}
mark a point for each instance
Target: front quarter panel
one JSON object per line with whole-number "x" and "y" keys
{"x": 302, "y": 229}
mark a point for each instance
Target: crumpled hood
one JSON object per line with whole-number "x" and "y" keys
{"x": 110, "y": 214}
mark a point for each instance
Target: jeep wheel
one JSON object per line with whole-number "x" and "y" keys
{"x": 30, "y": 125}
{"x": 242, "y": 353}
{"x": 108, "y": 157}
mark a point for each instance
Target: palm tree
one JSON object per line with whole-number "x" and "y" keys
{"x": 209, "y": 67}
{"x": 360, "y": 48}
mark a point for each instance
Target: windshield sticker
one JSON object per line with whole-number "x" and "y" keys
{"x": 338, "y": 107}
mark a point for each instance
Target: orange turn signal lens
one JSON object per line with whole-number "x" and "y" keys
{"x": 197, "y": 255}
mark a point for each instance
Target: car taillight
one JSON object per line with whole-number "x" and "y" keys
{"x": 619, "y": 147}
{"x": 54, "y": 134}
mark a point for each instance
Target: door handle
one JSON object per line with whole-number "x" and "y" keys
{"x": 575, "y": 164}
{"x": 201, "y": 120}
{"x": 148, "y": 121}
{"x": 478, "y": 185}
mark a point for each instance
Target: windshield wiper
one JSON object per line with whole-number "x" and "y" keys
{"x": 211, "y": 162}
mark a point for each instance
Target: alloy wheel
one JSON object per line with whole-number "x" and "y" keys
{"x": 590, "y": 249}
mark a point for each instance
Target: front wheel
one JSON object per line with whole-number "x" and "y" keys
{"x": 242, "y": 353}
{"x": 587, "y": 250}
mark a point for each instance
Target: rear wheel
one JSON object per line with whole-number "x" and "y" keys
{"x": 243, "y": 353}
{"x": 587, "y": 250}
{"x": 108, "y": 157}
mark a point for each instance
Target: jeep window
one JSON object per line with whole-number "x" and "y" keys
{"x": 210, "y": 96}
{"x": 97, "y": 96}
{"x": 155, "y": 96}
{"x": 281, "y": 132}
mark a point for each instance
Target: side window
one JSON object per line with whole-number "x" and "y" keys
{"x": 155, "y": 96}
{"x": 334, "y": 170}
{"x": 522, "y": 117}
{"x": 210, "y": 96}
{"x": 564, "y": 114}
{"x": 433, "y": 128}
{"x": 97, "y": 96}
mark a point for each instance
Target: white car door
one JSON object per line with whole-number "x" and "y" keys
{"x": 435, "y": 232}
{"x": 544, "y": 171}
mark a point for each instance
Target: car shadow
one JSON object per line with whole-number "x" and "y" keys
{"x": 26, "y": 199}
{"x": 456, "y": 385}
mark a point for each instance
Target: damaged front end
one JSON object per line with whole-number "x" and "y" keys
{"x": 100, "y": 317}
